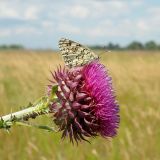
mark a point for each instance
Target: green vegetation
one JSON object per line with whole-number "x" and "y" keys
{"x": 12, "y": 47}
{"x": 135, "y": 45}
{"x": 136, "y": 78}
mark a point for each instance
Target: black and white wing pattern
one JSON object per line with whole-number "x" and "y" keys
{"x": 75, "y": 54}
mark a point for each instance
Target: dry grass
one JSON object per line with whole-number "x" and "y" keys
{"x": 136, "y": 77}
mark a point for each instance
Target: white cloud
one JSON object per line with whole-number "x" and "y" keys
{"x": 142, "y": 27}
{"x": 31, "y": 13}
{"x": 16, "y": 10}
{"x": 108, "y": 8}
{"x": 149, "y": 24}
{"x": 4, "y": 33}
{"x": 126, "y": 28}
{"x": 79, "y": 11}
{"x": 154, "y": 10}
{"x": 137, "y": 3}
{"x": 86, "y": 10}
{"x": 25, "y": 30}
{"x": 47, "y": 24}
{"x": 154, "y": 14}
{"x": 68, "y": 28}
{"x": 6, "y": 11}
{"x": 7, "y": 32}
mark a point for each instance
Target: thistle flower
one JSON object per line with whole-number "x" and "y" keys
{"x": 86, "y": 105}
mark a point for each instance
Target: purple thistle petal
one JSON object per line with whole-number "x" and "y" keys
{"x": 86, "y": 103}
{"x": 99, "y": 84}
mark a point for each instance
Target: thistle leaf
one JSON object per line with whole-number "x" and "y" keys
{"x": 53, "y": 92}
{"x": 50, "y": 129}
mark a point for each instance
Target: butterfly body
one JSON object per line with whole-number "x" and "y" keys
{"x": 75, "y": 54}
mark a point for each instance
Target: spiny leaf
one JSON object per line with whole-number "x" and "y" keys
{"x": 50, "y": 129}
{"x": 44, "y": 127}
{"x": 53, "y": 91}
{"x": 24, "y": 107}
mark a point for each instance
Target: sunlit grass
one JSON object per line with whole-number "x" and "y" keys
{"x": 136, "y": 78}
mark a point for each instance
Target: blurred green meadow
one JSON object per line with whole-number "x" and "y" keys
{"x": 136, "y": 78}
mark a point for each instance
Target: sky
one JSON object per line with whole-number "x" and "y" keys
{"x": 41, "y": 23}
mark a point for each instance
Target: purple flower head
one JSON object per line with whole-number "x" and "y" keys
{"x": 86, "y": 105}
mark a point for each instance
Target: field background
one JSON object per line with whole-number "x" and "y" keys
{"x": 136, "y": 77}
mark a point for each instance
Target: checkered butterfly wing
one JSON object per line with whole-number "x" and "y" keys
{"x": 75, "y": 54}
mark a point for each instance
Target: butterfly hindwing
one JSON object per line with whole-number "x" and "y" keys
{"x": 75, "y": 54}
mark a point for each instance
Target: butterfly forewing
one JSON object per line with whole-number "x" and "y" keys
{"x": 75, "y": 54}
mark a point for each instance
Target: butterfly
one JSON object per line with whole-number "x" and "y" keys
{"x": 75, "y": 54}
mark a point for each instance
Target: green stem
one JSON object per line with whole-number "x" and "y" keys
{"x": 38, "y": 108}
